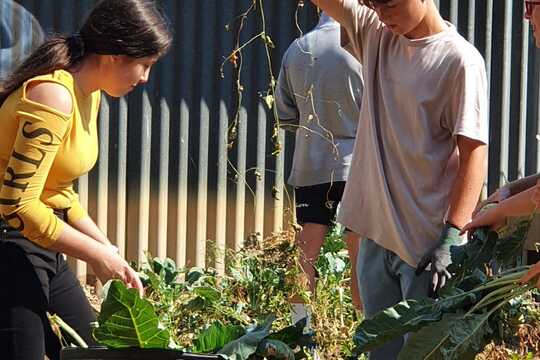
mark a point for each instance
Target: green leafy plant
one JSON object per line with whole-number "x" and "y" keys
{"x": 242, "y": 314}
{"x": 126, "y": 320}
{"x": 216, "y": 336}
{"x": 467, "y": 315}
{"x": 334, "y": 316}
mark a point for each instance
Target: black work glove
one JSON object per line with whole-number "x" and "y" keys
{"x": 439, "y": 258}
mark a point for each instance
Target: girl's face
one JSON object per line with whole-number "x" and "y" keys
{"x": 532, "y": 13}
{"x": 401, "y": 16}
{"x": 122, "y": 74}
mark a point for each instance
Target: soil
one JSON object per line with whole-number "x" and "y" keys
{"x": 93, "y": 297}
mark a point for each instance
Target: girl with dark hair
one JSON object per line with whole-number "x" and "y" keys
{"x": 48, "y": 116}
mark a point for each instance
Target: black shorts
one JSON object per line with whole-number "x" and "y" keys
{"x": 318, "y": 203}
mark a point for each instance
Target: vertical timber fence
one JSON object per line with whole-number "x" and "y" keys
{"x": 169, "y": 180}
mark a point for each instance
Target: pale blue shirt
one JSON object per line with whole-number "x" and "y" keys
{"x": 318, "y": 94}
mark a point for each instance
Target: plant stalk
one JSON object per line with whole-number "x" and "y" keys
{"x": 55, "y": 319}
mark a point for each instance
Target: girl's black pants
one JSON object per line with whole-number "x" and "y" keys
{"x": 34, "y": 281}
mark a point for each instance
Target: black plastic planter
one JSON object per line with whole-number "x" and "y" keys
{"x": 100, "y": 353}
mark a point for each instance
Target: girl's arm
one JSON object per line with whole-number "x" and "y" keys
{"x": 521, "y": 204}
{"x": 88, "y": 227}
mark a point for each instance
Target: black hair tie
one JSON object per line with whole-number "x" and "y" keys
{"x": 76, "y": 44}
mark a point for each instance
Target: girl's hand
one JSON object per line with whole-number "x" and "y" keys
{"x": 501, "y": 194}
{"x": 534, "y": 272}
{"x": 109, "y": 265}
{"x": 490, "y": 217}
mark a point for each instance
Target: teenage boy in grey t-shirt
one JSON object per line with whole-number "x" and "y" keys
{"x": 318, "y": 95}
{"x": 418, "y": 164}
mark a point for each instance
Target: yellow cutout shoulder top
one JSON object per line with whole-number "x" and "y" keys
{"x": 42, "y": 151}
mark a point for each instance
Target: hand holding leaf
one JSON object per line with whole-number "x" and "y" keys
{"x": 534, "y": 272}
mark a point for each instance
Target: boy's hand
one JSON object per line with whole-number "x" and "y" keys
{"x": 440, "y": 258}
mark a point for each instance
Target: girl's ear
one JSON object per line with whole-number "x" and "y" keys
{"x": 111, "y": 59}
{"x": 107, "y": 59}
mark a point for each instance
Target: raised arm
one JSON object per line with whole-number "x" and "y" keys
{"x": 357, "y": 22}
{"x": 334, "y": 8}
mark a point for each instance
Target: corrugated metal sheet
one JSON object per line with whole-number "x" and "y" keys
{"x": 167, "y": 181}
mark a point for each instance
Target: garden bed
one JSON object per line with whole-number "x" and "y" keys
{"x": 205, "y": 311}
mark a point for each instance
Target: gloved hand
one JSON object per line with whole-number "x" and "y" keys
{"x": 439, "y": 258}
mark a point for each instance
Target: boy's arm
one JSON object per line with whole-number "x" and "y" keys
{"x": 287, "y": 109}
{"x": 334, "y": 8}
{"x": 468, "y": 184}
{"x": 466, "y": 120}
{"x": 356, "y": 20}
{"x": 463, "y": 197}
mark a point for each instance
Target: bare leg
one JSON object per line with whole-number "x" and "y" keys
{"x": 310, "y": 240}
{"x": 353, "y": 244}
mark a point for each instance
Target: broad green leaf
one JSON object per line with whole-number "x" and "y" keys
{"x": 513, "y": 225}
{"x": 154, "y": 280}
{"x": 216, "y": 336}
{"x": 293, "y": 335}
{"x": 275, "y": 349}
{"x": 335, "y": 263}
{"x": 511, "y": 241}
{"x": 471, "y": 259}
{"x": 473, "y": 280}
{"x": 245, "y": 346}
{"x": 145, "y": 279}
{"x": 126, "y": 320}
{"x": 426, "y": 343}
{"x": 404, "y": 317}
{"x": 208, "y": 293}
{"x": 236, "y": 274}
{"x": 466, "y": 337}
{"x": 165, "y": 268}
{"x": 196, "y": 304}
{"x": 193, "y": 275}
{"x": 461, "y": 253}
{"x": 452, "y": 298}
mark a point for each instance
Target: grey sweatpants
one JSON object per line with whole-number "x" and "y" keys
{"x": 385, "y": 280}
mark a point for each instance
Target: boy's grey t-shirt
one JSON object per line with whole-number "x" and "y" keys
{"x": 318, "y": 94}
{"x": 418, "y": 96}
